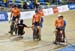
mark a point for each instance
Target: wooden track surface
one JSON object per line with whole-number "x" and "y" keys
{"x": 11, "y": 43}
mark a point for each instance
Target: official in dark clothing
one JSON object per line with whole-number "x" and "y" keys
{"x": 25, "y": 5}
{"x": 20, "y": 27}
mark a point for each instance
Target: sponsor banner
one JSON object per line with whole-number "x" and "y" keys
{"x": 45, "y": 12}
{"x": 55, "y": 10}
{"x": 27, "y": 15}
{"x": 63, "y": 8}
{"x": 3, "y": 16}
{"x": 48, "y": 11}
{"x": 71, "y": 6}
{"x": 24, "y": 15}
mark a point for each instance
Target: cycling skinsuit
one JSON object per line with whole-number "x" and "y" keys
{"x": 36, "y": 19}
{"x": 15, "y": 13}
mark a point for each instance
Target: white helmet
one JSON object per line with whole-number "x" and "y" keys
{"x": 59, "y": 15}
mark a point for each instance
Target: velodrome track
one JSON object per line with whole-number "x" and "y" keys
{"x": 10, "y": 43}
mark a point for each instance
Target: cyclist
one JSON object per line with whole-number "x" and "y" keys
{"x": 63, "y": 40}
{"x": 15, "y": 16}
{"x": 42, "y": 15}
{"x": 36, "y": 22}
{"x": 59, "y": 24}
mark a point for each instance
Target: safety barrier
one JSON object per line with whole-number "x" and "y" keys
{"x": 71, "y": 6}
{"x": 3, "y": 16}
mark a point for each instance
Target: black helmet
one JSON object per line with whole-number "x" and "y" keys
{"x": 36, "y": 11}
{"x": 61, "y": 17}
{"x": 15, "y": 5}
{"x": 21, "y": 21}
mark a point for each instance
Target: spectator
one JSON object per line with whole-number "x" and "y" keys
{"x": 28, "y": 4}
{"x": 38, "y": 5}
{"x": 35, "y": 5}
{"x": 0, "y": 7}
{"x": 31, "y": 5}
{"x": 53, "y": 1}
{"x": 25, "y": 5}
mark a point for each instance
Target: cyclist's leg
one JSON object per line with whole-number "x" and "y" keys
{"x": 39, "y": 32}
{"x": 18, "y": 18}
{"x": 55, "y": 32}
{"x": 16, "y": 22}
{"x": 12, "y": 25}
{"x": 33, "y": 28}
{"x": 63, "y": 35}
{"x": 11, "y": 28}
{"x": 16, "y": 31}
{"x": 57, "y": 36}
{"x": 40, "y": 27}
{"x": 35, "y": 33}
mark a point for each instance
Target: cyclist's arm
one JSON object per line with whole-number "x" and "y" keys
{"x": 26, "y": 26}
{"x": 62, "y": 23}
{"x": 42, "y": 14}
{"x": 11, "y": 13}
{"x": 65, "y": 23}
{"x": 33, "y": 20}
{"x": 18, "y": 12}
{"x": 10, "y": 18}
